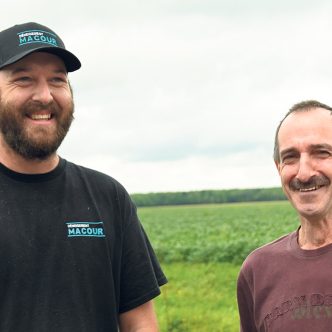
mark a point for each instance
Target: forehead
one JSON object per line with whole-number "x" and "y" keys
{"x": 306, "y": 127}
{"x": 36, "y": 60}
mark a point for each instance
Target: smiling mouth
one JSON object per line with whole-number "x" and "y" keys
{"x": 40, "y": 117}
{"x": 309, "y": 189}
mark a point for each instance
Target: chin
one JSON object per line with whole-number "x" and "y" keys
{"x": 311, "y": 214}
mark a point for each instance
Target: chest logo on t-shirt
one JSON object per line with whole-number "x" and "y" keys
{"x": 304, "y": 307}
{"x": 85, "y": 229}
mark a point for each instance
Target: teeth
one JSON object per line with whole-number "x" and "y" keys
{"x": 40, "y": 116}
{"x": 308, "y": 189}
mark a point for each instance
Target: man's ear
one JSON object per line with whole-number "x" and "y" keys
{"x": 277, "y": 165}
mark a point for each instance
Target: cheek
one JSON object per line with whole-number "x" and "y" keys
{"x": 64, "y": 100}
{"x": 15, "y": 101}
{"x": 286, "y": 175}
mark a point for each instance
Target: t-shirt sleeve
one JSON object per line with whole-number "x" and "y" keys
{"x": 245, "y": 305}
{"x": 141, "y": 275}
{"x": 161, "y": 278}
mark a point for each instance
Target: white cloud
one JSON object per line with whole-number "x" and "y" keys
{"x": 171, "y": 89}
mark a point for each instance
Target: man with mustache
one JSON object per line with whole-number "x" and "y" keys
{"x": 73, "y": 254}
{"x": 286, "y": 285}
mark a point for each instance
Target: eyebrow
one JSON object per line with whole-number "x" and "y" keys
{"x": 283, "y": 152}
{"x": 312, "y": 147}
{"x": 19, "y": 70}
{"x": 27, "y": 69}
{"x": 321, "y": 146}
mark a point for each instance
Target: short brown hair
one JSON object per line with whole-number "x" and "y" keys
{"x": 299, "y": 107}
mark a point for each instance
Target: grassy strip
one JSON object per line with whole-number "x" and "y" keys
{"x": 199, "y": 297}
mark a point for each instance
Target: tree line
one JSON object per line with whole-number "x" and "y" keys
{"x": 209, "y": 196}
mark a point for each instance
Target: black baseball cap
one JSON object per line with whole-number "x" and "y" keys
{"x": 23, "y": 39}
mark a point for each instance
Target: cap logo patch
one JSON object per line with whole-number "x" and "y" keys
{"x": 36, "y": 36}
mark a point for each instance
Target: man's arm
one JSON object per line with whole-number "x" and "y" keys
{"x": 140, "y": 319}
{"x": 245, "y": 305}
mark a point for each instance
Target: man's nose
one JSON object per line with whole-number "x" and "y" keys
{"x": 306, "y": 169}
{"x": 42, "y": 93}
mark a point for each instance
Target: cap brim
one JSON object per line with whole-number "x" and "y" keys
{"x": 70, "y": 60}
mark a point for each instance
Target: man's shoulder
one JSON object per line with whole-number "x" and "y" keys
{"x": 268, "y": 252}
{"x": 93, "y": 177}
{"x": 74, "y": 168}
{"x": 274, "y": 246}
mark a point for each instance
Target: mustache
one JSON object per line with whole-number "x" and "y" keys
{"x": 35, "y": 106}
{"x": 314, "y": 181}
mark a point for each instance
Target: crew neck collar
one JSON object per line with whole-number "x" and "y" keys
{"x": 34, "y": 177}
{"x": 306, "y": 253}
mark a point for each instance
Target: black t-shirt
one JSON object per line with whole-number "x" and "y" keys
{"x": 73, "y": 254}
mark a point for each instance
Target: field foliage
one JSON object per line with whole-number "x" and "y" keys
{"x": 215, "y": 233}
{"x": 201, "y": 248}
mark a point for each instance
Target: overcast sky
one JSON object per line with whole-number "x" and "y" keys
{"x": 186, "y": 95}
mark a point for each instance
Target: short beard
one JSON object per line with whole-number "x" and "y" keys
{"x": 17, "y": 136}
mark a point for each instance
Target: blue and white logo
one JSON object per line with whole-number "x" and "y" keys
{"x": 36, "y": 36}
{"x": 85, "y": 229}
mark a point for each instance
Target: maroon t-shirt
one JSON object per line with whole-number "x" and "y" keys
{"x": 284, "y": 288}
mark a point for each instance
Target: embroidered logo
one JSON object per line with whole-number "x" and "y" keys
{"x": 85, "y": 229}
{"x": 36, "y": 36}
{"x": 303, "y": 307}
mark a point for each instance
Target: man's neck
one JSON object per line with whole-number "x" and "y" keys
{"x": 315, "y": 234}
{"x": 17, "y": 163}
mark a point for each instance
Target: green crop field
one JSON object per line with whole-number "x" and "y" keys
{"x": 201, "y": 248}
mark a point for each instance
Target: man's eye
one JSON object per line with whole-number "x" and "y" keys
{"x": 23, "y": 79}
{"x": 59, "y": 80}
{"x": 288, "y": 159}
{"x": 323, "y": 154}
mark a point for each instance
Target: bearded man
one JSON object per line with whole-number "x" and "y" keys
{"x": 73, "y": 254}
